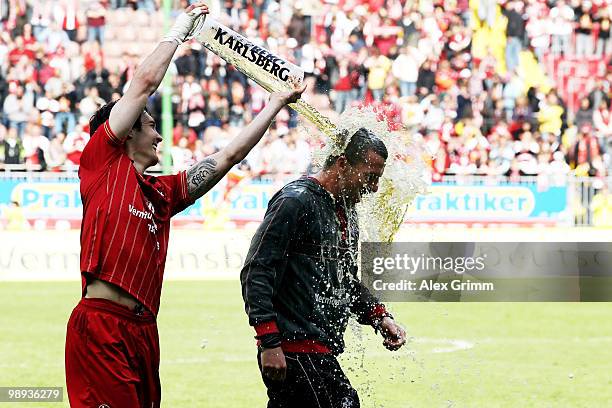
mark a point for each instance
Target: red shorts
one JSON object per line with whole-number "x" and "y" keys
{"x": 112, "y": 357}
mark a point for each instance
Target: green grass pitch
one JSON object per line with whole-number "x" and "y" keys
{"x": 459, "y": 354}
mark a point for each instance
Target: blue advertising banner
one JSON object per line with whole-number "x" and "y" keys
{"x": 497, "y": 203}
{"x": 247, "y": 202}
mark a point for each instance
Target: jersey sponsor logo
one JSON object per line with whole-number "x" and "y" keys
{"x": 145, "y": 215}
{"x": 330, "y": 301}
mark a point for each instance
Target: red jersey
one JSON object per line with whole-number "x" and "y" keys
{"x": 126, "y": 218}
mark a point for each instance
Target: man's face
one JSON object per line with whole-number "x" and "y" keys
{"x": 142, "y": 144}
{"x": 362, "y": 177}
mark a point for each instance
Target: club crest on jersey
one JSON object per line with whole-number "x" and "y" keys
{"x": 150, "y": 207}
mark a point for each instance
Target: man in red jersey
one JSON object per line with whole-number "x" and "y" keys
{"x": 112, "y": 345}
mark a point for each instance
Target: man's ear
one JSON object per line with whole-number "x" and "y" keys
{"x": 342, "y": 162}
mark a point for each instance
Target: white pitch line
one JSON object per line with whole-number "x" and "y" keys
{"x": 453, "y": 345}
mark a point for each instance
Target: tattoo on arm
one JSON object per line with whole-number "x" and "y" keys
{"x": 202, "y": 177}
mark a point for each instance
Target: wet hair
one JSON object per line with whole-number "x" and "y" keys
{"x": 357, "y": 148}
{"x": 102, "y": 116}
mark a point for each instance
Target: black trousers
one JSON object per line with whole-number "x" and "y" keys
{"x": 314, "y": 380}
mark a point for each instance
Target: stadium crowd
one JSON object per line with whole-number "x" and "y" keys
{"x": 414, "y": 60}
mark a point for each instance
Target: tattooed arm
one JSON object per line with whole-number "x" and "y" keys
{"x": 204, "y": 175}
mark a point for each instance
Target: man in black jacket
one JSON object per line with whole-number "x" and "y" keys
{"x": 515, "y": 32}
{"x": 300, "y": 283}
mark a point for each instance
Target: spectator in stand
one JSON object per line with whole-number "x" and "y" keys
{"x": 426, "y": 79}
{"x": 75, "y": 143}
{"x": 98, "y": 77}
{"x": 559, "y": 169}
{"x": 523, "y": 114}
{"x": 584, "y": 115}
{"x": 298, "y": 27}
{"x": 343, "y": 88}
{"x": 501, "y": 153}
{"x": 584, "y": 152}
{"x": 379, "y": 67}
{"x": 412, "y": 112}
{"x": 406, "y": 69}
{"x": 36, "y": 147}
{"x": 458, "y": 42}
{"x": 12, "y": 148}
{"x": 512, "y": 91}
{"x": 550, "y": 115}
{"x": 599, "y": 94}
{"x": 70, "y": 22}
{"x": 182, "y": 155}
{"x": 486, "y": 11}
{"x": 602, "y": 120}
{"x": 601, "y": 207}
{"x": 604, "y": 43}
{"x": 538, "y": 31}
{"x": 54, "y": 37}
{"x": 584, "y": 29}
{"x": 17, "y": 108}
{"x": 96, "y": 21}
{"x": 17, "y": 221}
{"x": 446, "y": 76}
{"x": 561, "y": 27}
{"x": 186, "y": 63}
{"x": 65, "y": 119}
{"x": 20, "y": 50}
{"x": 56, "y": 155}
{"x": 91, "y": 102}
{"x": 515, "y": 32}
{"x": 434, "y": 114}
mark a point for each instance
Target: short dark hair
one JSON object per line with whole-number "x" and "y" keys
{"x": 102, "y": 116}
{"x": 362, "y": 141}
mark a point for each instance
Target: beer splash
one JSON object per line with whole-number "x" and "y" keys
{"x": 381, "y": 214}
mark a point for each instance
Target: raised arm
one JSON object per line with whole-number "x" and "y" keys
{"x": 151, "y": 71}
{"x": 202, "y": 176}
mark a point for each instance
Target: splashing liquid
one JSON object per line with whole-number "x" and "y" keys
{"x": 401, "y": 181}
{"x": 381, "y": 214}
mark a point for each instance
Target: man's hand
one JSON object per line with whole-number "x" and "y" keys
{"x": 151, "y": 71}
{"x": 188, "y": 24}
{"x": 283, "y": 98}
{"x": 273, "y": 364}
{"x": 395, "y": 336}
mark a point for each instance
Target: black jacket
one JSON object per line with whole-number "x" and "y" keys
{"x": 300, "y": 272}
{"x": 516, "y": 24}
